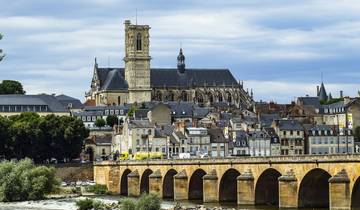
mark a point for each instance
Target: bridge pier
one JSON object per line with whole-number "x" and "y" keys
{"x": 288, "y": 190}
{"x": 155, "y": 183}
{"x": 245, "y": 189}
{"x": 181, "y": 188}
{"x": 113, "y": 184}
{"x": 134, "y": 184}
{"x": 210, "y": 187}
{"x": 339, "y": 191}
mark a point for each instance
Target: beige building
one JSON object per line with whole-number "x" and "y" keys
{"x": 137, "y": 82}
{"x": 291, "y": 134}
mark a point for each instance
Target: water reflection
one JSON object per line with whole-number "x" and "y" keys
{"x": 69, "y": 204}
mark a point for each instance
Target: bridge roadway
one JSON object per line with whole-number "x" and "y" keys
{"x": 287, "y": 181}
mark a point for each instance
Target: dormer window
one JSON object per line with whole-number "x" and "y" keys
{"x": 138, "y": 42}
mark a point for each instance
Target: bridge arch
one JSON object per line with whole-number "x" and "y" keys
{"x": 168, "y": 184}
{"x": 196, "y": 185}
{"x": 314, "y": 189}
{"x": 124, "y": 182}
{"x": 228, "y": 186}
{"x": 355, "y": 195}
{"x": 267, "y": 187}
{"x": 144, "y": 183}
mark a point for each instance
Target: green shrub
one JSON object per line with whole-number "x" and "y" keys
{"x": 98, "y": 189}
{"x": 127, "y": 204}
{"x": 24, "y": 181}
{"x": 148, "y": 202}
{"x": 98, "y": 205}
{"x": 85, "y": 204}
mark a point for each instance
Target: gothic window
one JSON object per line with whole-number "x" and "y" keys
{"x": 171, "y": 96}
{"x": 158, "y": 96}
{"x": 184, "y": 96}
{"x": 229, "y": 98}
{"x": 138, "y": 42}
{"x": 210, "y": 97}
{"x": 220, "y": 97}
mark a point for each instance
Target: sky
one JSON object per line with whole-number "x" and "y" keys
{"x": 279, "y": 48}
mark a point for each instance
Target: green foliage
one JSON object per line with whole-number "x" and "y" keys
{"x": 98, "y": 189}
{"x": 11, "y": 87}
{"x": 132, "y": 111}
{"x": 111, "y": 120}
{"x": 100, "y": 123}
{"x": 127, "y": 204}
{"x": 148, "y": 202}
{"x": 331, "y": 101}
{"x": 357, "y": 133}
{"x": 41, "y": 138}
{"x": 24, "y": 181}
{"x": 85, "y": 204}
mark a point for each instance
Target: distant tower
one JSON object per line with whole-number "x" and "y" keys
{"x": 322, "y": 93}
{"x": 181, "y": 62}
{"x": 137, "y": 62}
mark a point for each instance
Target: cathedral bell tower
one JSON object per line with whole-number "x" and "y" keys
{"x": 137, "y": 62}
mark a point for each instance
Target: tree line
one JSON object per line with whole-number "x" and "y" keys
{"x": 41, "y": 138}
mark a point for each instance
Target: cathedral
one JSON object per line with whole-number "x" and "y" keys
{"x": 138, "y": 82}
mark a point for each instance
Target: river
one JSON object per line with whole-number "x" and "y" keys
{"x": 69, "y": 204}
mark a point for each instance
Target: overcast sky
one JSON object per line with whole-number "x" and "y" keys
{"x": 279, "y": 48}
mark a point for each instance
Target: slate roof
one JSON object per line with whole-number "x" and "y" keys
{"x": 114, "y": 78}
{"x": 50, "y": 101}
{"x": 241, "y": 139}
{"x": 267, "y": 119}
{"x": 216, "y": 136}
{"x": 322, "y": 93}
{"x": 309, "y": 101}
{"x": 274, "y": 137}
{"x": 285, "y": 124}
{"x": 66, "y": 100}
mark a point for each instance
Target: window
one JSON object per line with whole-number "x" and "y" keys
{"x": 103, "y": 151}
{"x": 138, "y": 42}
{"x": 284, "y": 133}
{"x": 298, "y": 133}
{"x": 291, "y": 132}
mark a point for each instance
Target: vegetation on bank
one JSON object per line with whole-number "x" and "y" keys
{"x": 98, "y": 189}
{"x": 41, "y": 138}
{"x": 145, "y": 202}
{"x": 23, "y": 180}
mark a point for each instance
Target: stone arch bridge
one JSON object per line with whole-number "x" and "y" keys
{"x": 289, "y": 182}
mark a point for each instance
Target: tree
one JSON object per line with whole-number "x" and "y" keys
{"x": 11, "y": 87}
{"x": 24, "y": 181}
{"x": 100, "y": 123}
{"x": 1, "y": 51}
{"x": 111, "y": 120}
{"x": 357, "y": 133}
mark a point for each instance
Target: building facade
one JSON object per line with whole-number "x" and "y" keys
{"x": 138, "y": 82}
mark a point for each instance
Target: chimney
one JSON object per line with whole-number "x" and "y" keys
{"x": 317, "y": 90}
{"x": 341, "y": 94}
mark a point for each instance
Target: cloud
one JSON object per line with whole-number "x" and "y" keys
{"x": 280, "y": 46}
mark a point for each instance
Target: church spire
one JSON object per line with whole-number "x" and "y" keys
{"x": 181, "y": 62}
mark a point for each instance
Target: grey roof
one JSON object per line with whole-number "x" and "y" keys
{"x": 309, "y": 101}
{"x": 322, "y": 93}
{"x": 216, "y": 135}
{"x": 274, "y": 137}
{"x": 241, "y": 139}
{"x": 180, "y": 135}
{"x": 141, "y": 124}
{"x": 50, "y": 101}
{"x": 66, "y": 100}
{"x": 88, "y": 113}
{"x": 114, "y": 78}
{"x": 163, "y": 131}
{"x": 259, "y": 134}
{"x": 267, "y": 119}
{"x": 200, "y": 112}
{"x": 181, "y": 109}
{"x": 285, "y": 124}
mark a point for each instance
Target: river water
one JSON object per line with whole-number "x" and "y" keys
{"x": 69, "y": 204}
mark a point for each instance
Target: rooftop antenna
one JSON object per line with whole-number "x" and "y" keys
{"x": 322, "y": 77}
{"x": 180, "y": 45}
{"x": 136, "y": 16}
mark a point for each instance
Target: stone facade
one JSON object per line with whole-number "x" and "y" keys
{"x": 137, "y": 82}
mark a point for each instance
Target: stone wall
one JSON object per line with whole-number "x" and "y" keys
{"x": 74, "y": 172}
